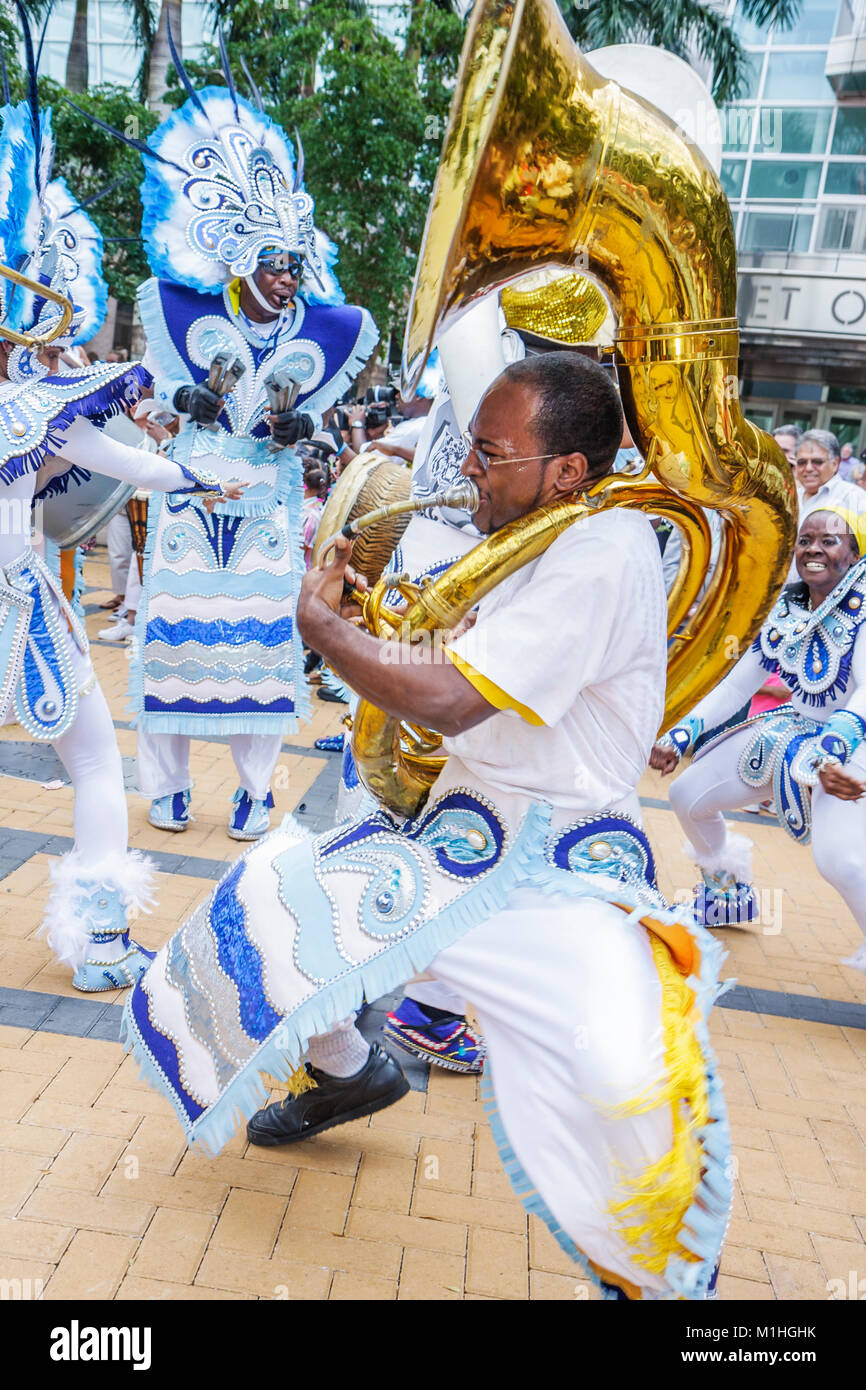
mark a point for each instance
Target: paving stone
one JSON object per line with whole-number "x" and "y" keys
{"x": 173, "y": 1246}
{"x": 431, "y": 1274}
{"x": 496, "y": 1264}
{"x": 250, "y": 1221}
{"x": 92, "y": 1267}
{"x": 361, "y": 1288}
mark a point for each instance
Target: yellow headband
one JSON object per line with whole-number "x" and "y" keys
{"x": 853, "y": 520}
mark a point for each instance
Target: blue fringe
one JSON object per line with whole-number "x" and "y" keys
{"x": 523, "y": 1186}
{"x": 280, "y": 1054}
{"x": 100, "y": 405}
{"x": 58, "y": 487}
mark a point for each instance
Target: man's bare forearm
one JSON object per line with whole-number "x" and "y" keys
{"x": 424, "y": 689}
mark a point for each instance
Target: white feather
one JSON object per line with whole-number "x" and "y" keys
{"x": 65, "y": 926}
{"x": 734, "y": 857}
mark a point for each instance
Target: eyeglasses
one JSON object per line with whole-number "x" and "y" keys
{"x": 487, "y": 463}
{"x": 815, "y": 463}
{"x": 274, "y": 265}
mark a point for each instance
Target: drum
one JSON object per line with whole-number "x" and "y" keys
{"x": 90, "y": 499}
{"x": 136, "y": 510}
{"x": 371, "y": 480}
{"x": 86, "y": 506}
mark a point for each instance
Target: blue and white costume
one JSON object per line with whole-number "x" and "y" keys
{"x": 216, "y": 647}
{"x": 525, "y": 885}
{"x": 50, "y": 440}
{"x": 821, "y": 657}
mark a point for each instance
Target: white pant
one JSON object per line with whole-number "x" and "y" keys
{"x": 569, "y": 1002}
{"x": 712, "y": 785}
{"x": 163, "y": 762}
{"x": 118, "y": 536}
{"x": 89, "y": 752}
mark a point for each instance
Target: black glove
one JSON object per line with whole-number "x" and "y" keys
{"x": 199, "y": 402}
{"x": 290, "y": 426}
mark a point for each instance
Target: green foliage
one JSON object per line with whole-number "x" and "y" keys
{"x": 681, "y": 26}
{"x": 371, "y": 118}
{"x": 91, "y": 160}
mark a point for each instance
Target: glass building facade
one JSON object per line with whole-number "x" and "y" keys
{"x": 794, "y": 170}
{"x": 112, "y": 53}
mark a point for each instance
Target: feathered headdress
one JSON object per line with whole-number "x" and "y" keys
{"x": 221, "y": 187}
{"x": 44, "y": 233}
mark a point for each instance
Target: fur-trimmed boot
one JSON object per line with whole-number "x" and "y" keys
{"x": 86, "y": 920}
{"x": 726, "y": 897}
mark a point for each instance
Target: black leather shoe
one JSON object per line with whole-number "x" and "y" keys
{"x": 333, "y": 1101}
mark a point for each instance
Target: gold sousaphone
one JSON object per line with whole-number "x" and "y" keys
{"x": 547, "y": 163}
{"x": 37, "y": 340}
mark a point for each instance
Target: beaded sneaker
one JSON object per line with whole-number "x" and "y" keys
{"x": 724, "y": 901}
{"x": 96, "y": 973}
{"x": 331, "y": 743}
{"x": 250, "y": 818}
{"x": 171, "y": 812}
{"x": 435, "y": 1036}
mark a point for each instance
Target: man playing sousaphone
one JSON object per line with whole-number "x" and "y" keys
{"x": 525, "y": 884}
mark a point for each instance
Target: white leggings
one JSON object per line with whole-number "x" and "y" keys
{"x": 712, "y": 785}
{"x": 90, "y": 754}
{"x": 163, "y": 762}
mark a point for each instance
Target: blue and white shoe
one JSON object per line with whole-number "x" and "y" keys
{"x": 96, "y": 973}
{"x": 250, "y": 819}
{"x": 724, "y": 901}
{"x": 171, "y": 812}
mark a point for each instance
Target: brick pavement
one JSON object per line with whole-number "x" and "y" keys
{"x": 100, "y": 1199}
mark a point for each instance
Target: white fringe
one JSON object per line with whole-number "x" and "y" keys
{"x": 734, "y": 857}
{"x": 65, "y": 928}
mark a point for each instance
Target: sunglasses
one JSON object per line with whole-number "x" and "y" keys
{"x": 815, "y": 463}
{"x": 488, "y": 463}
{"x": 275, "y": 264}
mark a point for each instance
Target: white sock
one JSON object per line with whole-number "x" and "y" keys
{"x": 342, "y": 1052}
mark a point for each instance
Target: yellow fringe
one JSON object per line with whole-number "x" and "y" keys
{"x": 650, "y": 1218}
{"x": 299, "y": 1082}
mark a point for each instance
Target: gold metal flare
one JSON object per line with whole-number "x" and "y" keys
{"x": 37, "y": 340}
{"x": 546, "y": 163}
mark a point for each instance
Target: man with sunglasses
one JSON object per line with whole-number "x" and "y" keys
{"x": 819, "y": 482}
{"x": 525, "y": 883}
{"x": 243, "y": 303}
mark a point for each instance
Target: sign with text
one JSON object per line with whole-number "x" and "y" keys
{"x": 811, "y": 304}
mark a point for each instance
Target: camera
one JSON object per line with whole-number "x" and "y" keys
{"x": 379, "y": 402}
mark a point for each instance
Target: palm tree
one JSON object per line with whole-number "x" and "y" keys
{"x": 77, "y": 69}
{"x": 684, "y": 27}
{"x": 77, "y": 64}
{"x": 158, "y": 58}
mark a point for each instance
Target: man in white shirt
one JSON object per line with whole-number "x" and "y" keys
{"x": 819, "y": 483}
{"x": 525, "y": 883}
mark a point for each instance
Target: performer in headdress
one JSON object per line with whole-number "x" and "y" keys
{"x": 50, "y": 440}
{"x": 239, "y": 269}
{"x": 525, "y": 884}
{"x": 807, "y": 755}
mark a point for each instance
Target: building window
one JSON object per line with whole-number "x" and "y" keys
{"x": 778, "y": 178}
{"x": 849, "y": 137}
{"x": 838, "y": 229}
{"x": 793, "y": 131}
{"x": 776, "y": 231}
{"x": 814, "y": 24}
{"x": 846, "y": 180}
{"x": 732, "y": 176}
{"x": 737, "y": 122}
{"x": 797, "y": 77}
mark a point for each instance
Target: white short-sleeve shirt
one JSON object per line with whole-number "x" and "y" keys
{"x": 578, "y": 639}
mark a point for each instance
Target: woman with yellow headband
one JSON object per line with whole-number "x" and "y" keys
{"x": 809, "y": 754}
